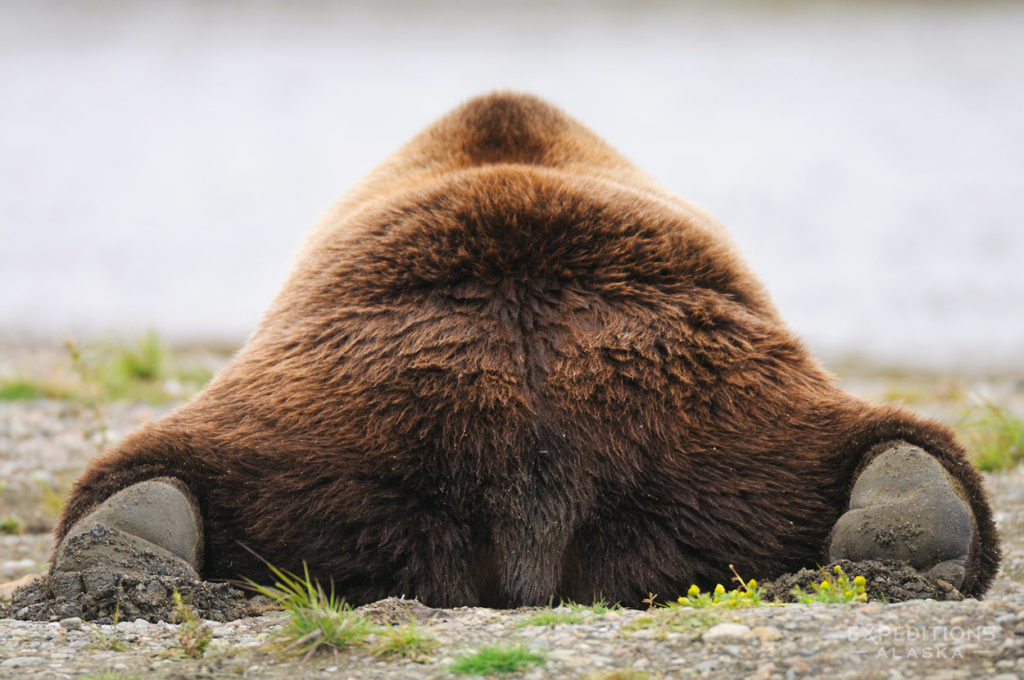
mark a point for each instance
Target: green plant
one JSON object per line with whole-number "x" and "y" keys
{"x": 110, "y": 642}
{"x": 497, "y": 659}
{"x": 913, "y": 394}
{"x": 751, "y": 595}
{"x": 144, "y": 360}
{"x": 52, "y": 497}
{"x": 553, "y": 617}
{"x": 20, "y": 389}
{"x": 406, "y": 642}
{"x": 141, "y": 370}
{"x": 118, "y": 370}
{"x": 193, "y": 636}
{"x": 317, "y": 619}
{"x": 599, "y": 608}
{"x": 994, "y": 436}
{"x": 11, "y": 525}
{"x": 833, "y": 589}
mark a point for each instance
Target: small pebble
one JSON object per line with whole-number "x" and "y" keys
{"x": 767, "y": 633}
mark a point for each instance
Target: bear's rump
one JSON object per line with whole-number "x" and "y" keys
{"x": 510, "y": 390}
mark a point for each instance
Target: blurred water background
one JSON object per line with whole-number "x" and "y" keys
{"x": 159, "y": 161}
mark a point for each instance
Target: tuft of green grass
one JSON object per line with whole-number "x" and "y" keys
{"x": 317, "y": 619}
{"x": 406, "y": 642}
{"x": 553, "y": 617}
{"x": 120, "y": 370}
{"x": 600, "y": 607}
{"x": 144, "y": 369}
{"x": 994, "y": 436}
{"x": 193, "y": 636}
{"x": 20, "y": 389}
{"x": 11, "y": 525}
{"x": 144, "y": 360}
{"x": 497, "y": 660}
{"x": 25, "y": 389}
{"x": 834, "y": 589}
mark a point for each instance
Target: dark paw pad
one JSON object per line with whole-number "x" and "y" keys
{"x": 905, "y": 506}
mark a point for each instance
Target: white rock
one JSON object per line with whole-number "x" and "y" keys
{"x": 539, "y": 644}
{"x": 726, "y": 631}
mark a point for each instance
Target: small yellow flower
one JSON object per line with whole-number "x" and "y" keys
{"x": 685, "y": 601}
{"x": 847, "y": 593}
{"x": 751, "y": 584}
{"x": 837, "y": 569}
{"x": 694, "y": 591}
{"x": 825, "y": 585}
{"x": 719, "y": 589}
{"x": 858, "y": 581}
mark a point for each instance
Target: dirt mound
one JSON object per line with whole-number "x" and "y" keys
{"x": 100, "y": 594}
{"x": 887, "y": 581}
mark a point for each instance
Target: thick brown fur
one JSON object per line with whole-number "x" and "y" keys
{"x": 508, "y": 368}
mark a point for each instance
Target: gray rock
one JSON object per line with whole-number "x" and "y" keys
{"x": 707, "y": 665}
{"x": 71, "y": 623}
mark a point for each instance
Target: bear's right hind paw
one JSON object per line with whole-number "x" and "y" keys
{"x": 905, "y": 506}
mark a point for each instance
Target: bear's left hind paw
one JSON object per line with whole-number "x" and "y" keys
{"x": 150, "y": 527}
{"x": 905, "y": 506}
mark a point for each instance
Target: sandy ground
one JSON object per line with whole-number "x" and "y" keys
{"x": 162, "y": 159}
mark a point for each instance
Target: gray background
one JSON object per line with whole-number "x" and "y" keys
{"x": 159, "y": 162}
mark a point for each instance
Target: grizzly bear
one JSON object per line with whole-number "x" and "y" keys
{"x": 509, "y": 368}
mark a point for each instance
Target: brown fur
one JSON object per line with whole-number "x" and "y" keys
{"x": 509, "y": 367}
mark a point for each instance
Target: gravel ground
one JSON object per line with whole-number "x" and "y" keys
{"x": 44, "y": 444}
